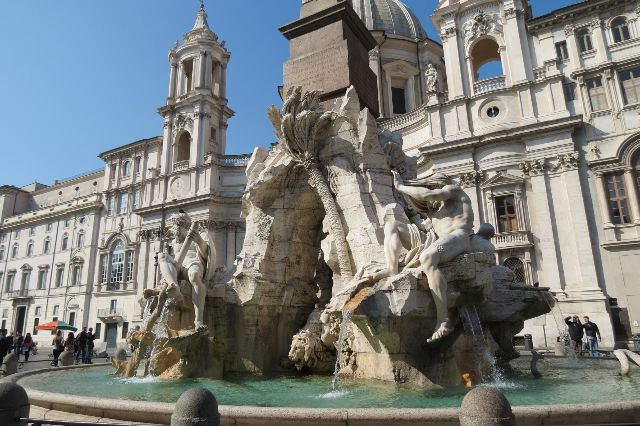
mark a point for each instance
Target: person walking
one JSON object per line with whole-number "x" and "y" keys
{"x": 593, "y": 336}
{"x": 58, "y": 347}
{"x": 81, "y": 354}
{"x": 5, "y": 344}
{"x": 90, "y": 338}
{"x": 576, "y": 333}
{"x": 27, "y": 345}
{"x": 17, "y": 344}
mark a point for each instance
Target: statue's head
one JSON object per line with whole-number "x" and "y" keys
{"x": 437, "y": 181}
{"x": 180, "y": 224}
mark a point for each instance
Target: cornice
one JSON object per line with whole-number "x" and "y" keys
{"x": 40, "y": 215}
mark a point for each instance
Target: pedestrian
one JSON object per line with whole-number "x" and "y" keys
{"x": 58, "y": 347}
{"x": 5, "y": 344}
{"x": 70, "y": 343}
{"x": 90, "y": 338}
{"x": 576, "y": 332}
{"x": 593, "y": 336}
{"x": 27, "y": 345}
{"x": 81, "y": 339}
{"x": 17, "y": 344}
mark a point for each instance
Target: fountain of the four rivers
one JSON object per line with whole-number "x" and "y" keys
{"x": 359, "y": 285}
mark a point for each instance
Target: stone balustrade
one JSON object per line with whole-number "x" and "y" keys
{"x": 111, "y": 313}
{"x": 489, "y": 85}
{"x": 405, "y": 120}
{"x": 506, "y": 240}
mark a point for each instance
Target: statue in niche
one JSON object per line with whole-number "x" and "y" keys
{"x": 431, "y": 75}
{"x": 192, "y": 259}
{"x": 441, "y": 230}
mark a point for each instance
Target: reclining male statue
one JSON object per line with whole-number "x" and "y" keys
{"x": 192, "y": 259}
{"x": 448, "y": 223}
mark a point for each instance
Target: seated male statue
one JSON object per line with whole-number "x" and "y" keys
{"x": 450, "y": 216}
{"x": 192, "y": 259}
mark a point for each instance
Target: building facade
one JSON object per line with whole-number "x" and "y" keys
{"x": 84, "y": 250}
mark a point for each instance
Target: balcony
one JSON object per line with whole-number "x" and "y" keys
{"x": 21, "y": 294}
{"x": 489, "y": 85}
{"x": 108, "y": 315}
{"x": 515, "y": 239}
{"x": 233, "y": 160}
{"x": 180, "y": 165}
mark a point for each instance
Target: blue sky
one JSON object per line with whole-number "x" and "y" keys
{"x": 82, "y": 77}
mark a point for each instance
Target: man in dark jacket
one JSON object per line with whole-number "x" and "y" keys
{"x": 90, "y": 338}
{"x": 81, "y": 355}
{"x": 17, "y": 343}
{"x": 576, "y": 333}
{"x": 5, "y": 344}
{"x": 593, "y": 336}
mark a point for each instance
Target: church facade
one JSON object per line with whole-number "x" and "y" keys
{"x": 84, "y": 249}
{"x": 537, "y": 118}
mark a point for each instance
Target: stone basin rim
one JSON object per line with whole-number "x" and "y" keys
{"x": 136, "y": 411}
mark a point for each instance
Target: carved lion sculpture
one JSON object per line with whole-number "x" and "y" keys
{"x": 307, "y": 351}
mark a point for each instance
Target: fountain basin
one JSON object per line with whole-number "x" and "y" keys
{"x": 94, "y": 391}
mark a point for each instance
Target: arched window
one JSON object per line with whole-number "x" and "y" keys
{"x": 14, "y": 251}
{"x": 76, "y": 271}
{"x": 584, "y": 40}
{"x": 126, "y": 169}
{"x": 80, "y": 240}
{"x": 183, "y": 148}
{"x": 620, "y": 30}
{"x": 117, "y": 262}
{"x": 30, "y": 249}
{"x": 517, "y": 267}
{"x": 65, "y": 242}
{"x": 636, "y": 167}
{"x": 486, "y": 60}
{"x": 47, "y": 246}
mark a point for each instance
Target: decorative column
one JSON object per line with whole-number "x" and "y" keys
{"x": 411, "y": 94}
{"x": 632, "y": 196}
{"x": 223, "y": 81}
{"x": 599, "y": 40}
{"x": 449, "y": 38}
{"x": 518, "y": 53}
{"x": 231, "y": 244}
{"x": 603, "y": 200}
{"x": 374, "y": 63}
{"x": 387, "y": 78}
{"x": 202, "y": 81}
{"x": 575, "y": 61}
{"x": 172, "y": 83}
{"x": 520, "y": 210}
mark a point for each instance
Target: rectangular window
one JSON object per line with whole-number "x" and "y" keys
{"x": 113, "y": 305}
{"x": 104, "y": 268}
{"x": 77, "y": 275}
{"x": 24, "y": 284}
{"x": 36, "y": 321}
{"x": 65, "y": 242}
{"x": 47, "y": 246}
{"x": 72, "y": 318}
{"x": 42, "y": 279}
{"x": 125, "y": 329}
{"x": 66, "y": 223}
{"x": 80, "y": 242}
{"x": 569, "y": 91}
{"x": 56, "y": 310}
{"x": 17, "y": 234}
{"x": 97, "y": 330}
{"x": 136, "y": 198}
{"x": 32, "y": 230}
{"x": 130, "y": 256}
{"x": 617, "y": 199}
{"x": 59, "y": 276}
{"x": 597, "y": 95}
{"x": 112, "y": 171}
{"x": 9, "y": 284}
{"x": 49, "y": 227}
{"x": 117, "y": 267}
{"x": 123, "y": 203}
{"x": 630, "y": 82}
{"x": 506, "y": 214}
{"x": 1, "y": 253}
{"x": 38, "y": 311}
{"x": 137, "y": 165}
{"x": 14, "y": 251}
{"x": 2, "y": 238}
{"x": 110, "y": 202}
{"x": 5, "y": 313}
{"x": 561, "y": 50}
{"x": 398, "y": 100}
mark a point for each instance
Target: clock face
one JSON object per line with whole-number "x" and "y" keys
{"x": 177, "y": 186}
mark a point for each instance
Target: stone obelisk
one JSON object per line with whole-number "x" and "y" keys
{"x": 329, "y": 49}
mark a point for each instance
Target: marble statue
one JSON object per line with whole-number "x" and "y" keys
{"x": 432, "y": 78}
{"x": 192, "y": 259}
{"x": 450, "y": 217}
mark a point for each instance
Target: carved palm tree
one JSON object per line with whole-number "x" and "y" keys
{"x": 301, "y": 127}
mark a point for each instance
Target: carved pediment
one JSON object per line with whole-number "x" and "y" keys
{"x": 401, "y": 69}
{"x": 482, "y": 24}
{"x": 502, "y": 179}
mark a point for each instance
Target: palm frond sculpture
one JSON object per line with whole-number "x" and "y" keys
{"x": 301, "y": 127}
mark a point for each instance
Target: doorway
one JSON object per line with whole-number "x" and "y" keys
{"x": 112, "y": 335}
{"x": 21, "y": 316}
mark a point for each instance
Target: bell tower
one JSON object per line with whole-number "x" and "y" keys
{"x": 196, "y": 113}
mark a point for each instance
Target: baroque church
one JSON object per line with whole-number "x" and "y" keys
{"x": 536, "y": 117}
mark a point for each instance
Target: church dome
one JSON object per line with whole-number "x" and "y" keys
{"x": 390, "y": 16}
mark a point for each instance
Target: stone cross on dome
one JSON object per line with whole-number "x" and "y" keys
{"x": 201, "y": 19}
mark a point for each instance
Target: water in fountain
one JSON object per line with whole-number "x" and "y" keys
{"x": 342, "y": 337}
{"x": 146, "y": 313}
{"x": 563, "y": 332}
{"x": 471, "y": 323}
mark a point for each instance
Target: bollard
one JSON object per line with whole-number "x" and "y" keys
{"x": 10, "y": 364}
{"x": 197, "y": 406}
{"x": 14, "y": 403}
{"x": 66, "y": 359}
{"x": 486, "y": 406}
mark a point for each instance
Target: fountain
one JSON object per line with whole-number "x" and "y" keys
{"x": 337, "y": 275}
